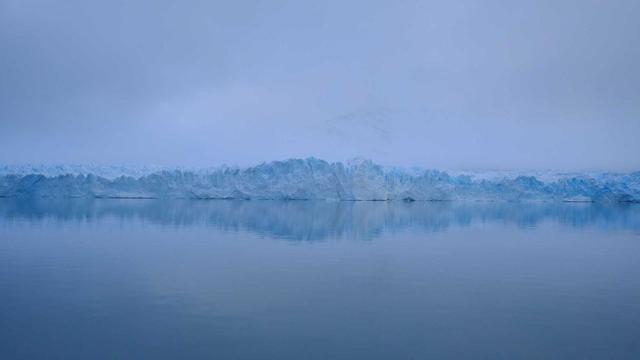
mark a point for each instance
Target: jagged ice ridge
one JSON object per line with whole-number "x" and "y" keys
{"x": 314, "y": 179}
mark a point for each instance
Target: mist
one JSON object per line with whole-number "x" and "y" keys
{"x": 456, "y": 84}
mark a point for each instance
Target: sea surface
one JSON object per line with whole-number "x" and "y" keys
{"x": 154, "y": 279}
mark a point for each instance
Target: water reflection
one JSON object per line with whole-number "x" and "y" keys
{"x": 137, "y": 279}
{"x": 316, "y": 220}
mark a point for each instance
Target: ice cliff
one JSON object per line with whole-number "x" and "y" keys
{"x": 309, "y": 179}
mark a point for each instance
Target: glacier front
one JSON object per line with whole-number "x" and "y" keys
{"x": 314, "y": 179}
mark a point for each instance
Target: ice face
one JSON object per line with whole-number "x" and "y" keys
{"x": 309, "y": 179}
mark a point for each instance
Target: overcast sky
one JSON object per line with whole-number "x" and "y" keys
{"x": 445, "y": 84}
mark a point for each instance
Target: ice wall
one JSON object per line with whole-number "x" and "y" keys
{"x": 311, "y": 179}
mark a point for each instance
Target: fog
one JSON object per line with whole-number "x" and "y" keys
{"x": 446, "y": 84}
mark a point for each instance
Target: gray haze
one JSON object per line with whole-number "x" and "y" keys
{"x": 447, "y": 84}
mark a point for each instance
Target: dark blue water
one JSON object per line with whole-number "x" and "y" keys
{"x": 118, "y": 279}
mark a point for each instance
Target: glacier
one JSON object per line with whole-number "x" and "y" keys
{"x": 315, "y": 179}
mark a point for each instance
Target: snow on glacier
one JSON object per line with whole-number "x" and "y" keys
{"x": 307, "y": 179}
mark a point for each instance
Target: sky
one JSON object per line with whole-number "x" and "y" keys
{"x": 439, "y": 84}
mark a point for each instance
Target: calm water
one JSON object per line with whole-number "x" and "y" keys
{"x": 118, "y": 279}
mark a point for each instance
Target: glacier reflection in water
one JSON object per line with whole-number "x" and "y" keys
{"x": 317, "y": 220}
{"x": 155, "y": 279}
